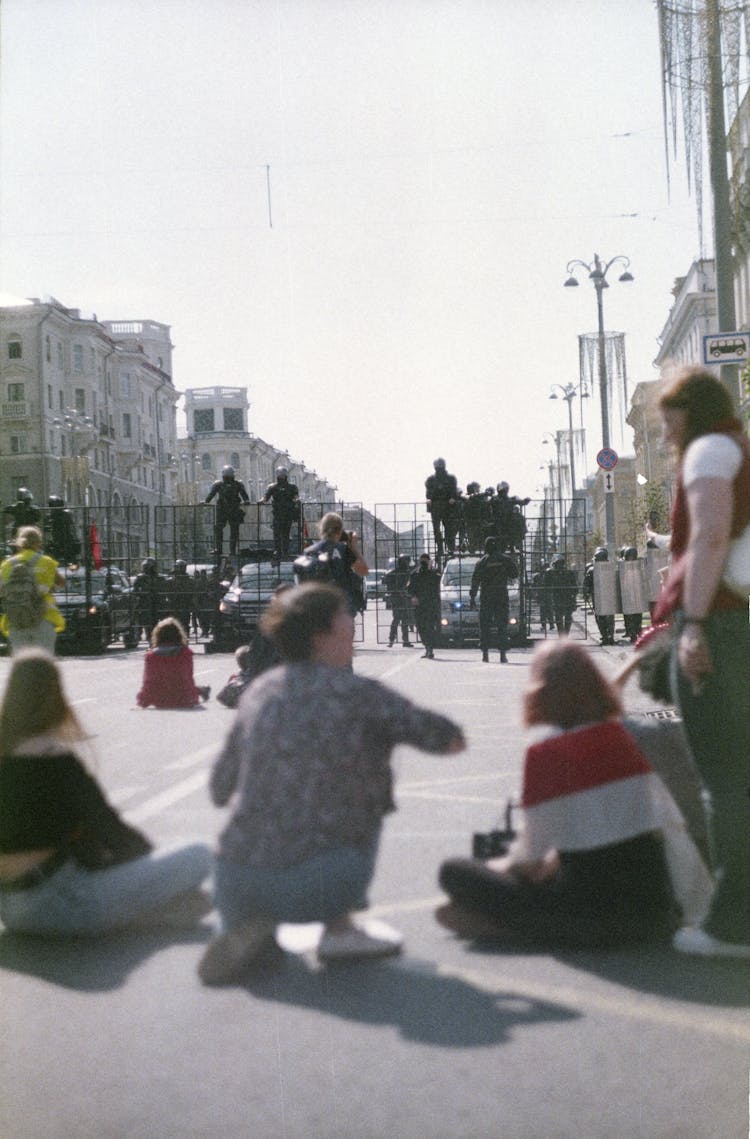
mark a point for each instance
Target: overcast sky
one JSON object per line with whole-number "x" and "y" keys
{"x": 432, "y": 164}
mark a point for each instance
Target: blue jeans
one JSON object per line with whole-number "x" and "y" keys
{"x": 717, "y": 724}
{"x": 318, "y": 890}
{"x": 87, "y": 902}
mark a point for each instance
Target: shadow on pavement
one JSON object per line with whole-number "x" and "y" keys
{"x": 90, "y": 964}
{"x": 650, "y": 968}
{"x": 447, "y": 1012}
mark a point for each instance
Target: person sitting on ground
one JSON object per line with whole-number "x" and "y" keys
{"x": 238, "y": 681}
{"x": 168, "y": 670}
{"x": 604, "y": 856}
{"x": 308, "y": 762}
{"x": 68, "y": 863}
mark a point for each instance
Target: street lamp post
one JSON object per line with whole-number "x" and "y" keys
{"x": 569, "y": 393}
{"x": 598, "y": 276}
{"x": 556, "y": 440}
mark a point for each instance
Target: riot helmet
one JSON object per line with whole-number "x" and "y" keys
{"x": 227, "y": 472}
{"x": 148, "y": 565}
{"x": 601, "y": 554}
{"x": 558, "y": 561}
{"x": 439, "y": 464}
{"x": 282, "y": 473}
{"x": 630, "y": 554}
{"x": 503, "y": 488}
{"x": 24, "y": 494}
{"x": 54, "y": 501}
{"x": 180, "y": 566}
{"x": 490, "y": 545}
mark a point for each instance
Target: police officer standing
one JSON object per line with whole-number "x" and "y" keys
{"x": 230, "y": 494}
{"x": 593, "y": 584}
{"x": 424, "y": 590}
{"x": 284, "y": 499}
{"x": 62, "y": 539}
{"x": 490, "y": 579}
{"x": 395, "y": 583}
{"x": 441, "y": 489}
{"x": 181, "y": 595}
{"x": 562, "y": 590}
{"x": 24, "y": 512}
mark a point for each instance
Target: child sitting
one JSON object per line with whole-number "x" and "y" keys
{"x": 168, "y": 670}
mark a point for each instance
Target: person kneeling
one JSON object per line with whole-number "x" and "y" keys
{"x": 308, "y": 761}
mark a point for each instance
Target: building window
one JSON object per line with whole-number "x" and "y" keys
{"x": 203, "y": 420}
{"x": 17, "y": 444}
{"x": 14, "y": 348}
{"x": 59, "y": 355}
{"x": 125, "y": 385}
{"x": 127, "y": 428}
{"x": 48, "y": 348}
{"x": 16, "y": 393}
{"x": 77, "y": 357}
{"x": 80, "y": 401}
{"x": 233, "y": 419}
{"x": 234, "y": 460}
{"x": 50, "y": 400}
{"x": 206, "y": 462}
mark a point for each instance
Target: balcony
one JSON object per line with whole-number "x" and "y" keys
{"x": 17, "y": 409}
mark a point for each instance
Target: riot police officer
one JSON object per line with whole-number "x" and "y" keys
{"x": 603, "y": 604}
{"x": 24, "y": 512}
{"x": 441, "y": 490}
{"x": 562, "y": 589}
{"x": 285, "y": 505}
{"x": 490, "y": 580}
{"x": 230, "y": 494}
{"x": 61, "y": 538}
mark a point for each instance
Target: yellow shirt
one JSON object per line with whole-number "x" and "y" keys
{"x": 45, "y": 571}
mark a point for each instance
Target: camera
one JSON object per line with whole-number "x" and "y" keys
{"x": 493, "y": 844}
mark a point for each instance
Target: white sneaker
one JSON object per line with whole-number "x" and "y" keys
{"x": 693, "y": 939}
{"x": 376, "y": 939}
{"x": 229, "y": 954}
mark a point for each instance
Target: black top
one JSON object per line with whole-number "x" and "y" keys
{"x": 44, "y": 799}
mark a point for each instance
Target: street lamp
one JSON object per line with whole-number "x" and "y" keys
{"x": 569, "y": 392}
{"x": 598, "y": 276}
{"x": 556, "y": 440}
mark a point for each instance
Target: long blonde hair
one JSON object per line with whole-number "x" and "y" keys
{"x": 34, "y": 702}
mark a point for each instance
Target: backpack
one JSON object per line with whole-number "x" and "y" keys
{"x": 23, "y": 600}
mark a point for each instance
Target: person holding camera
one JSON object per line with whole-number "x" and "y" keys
{"x": 604, "y": 856}
{"x": 307, "y": 766}
{"x": 335, "y": 558}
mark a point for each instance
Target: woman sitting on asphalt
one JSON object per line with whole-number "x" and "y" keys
{"x": 168, "y": 670}
{"x": 604, "y": 856}
{"x": 308, "y": 761}
{"x": 68, "y": 863}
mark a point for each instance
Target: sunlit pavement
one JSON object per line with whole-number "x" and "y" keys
{"x": 117, "y": 1038}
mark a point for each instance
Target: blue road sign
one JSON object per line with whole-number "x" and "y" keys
{"x": 607, "y": 459}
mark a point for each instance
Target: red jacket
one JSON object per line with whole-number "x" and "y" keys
{"x": 168, "y": 680}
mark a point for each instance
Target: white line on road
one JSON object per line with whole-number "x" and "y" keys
{"x": 169, "y": 797}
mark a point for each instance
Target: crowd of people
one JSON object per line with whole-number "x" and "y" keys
{"x": 603, "y": 856}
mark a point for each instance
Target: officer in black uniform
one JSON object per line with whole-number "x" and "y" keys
{"x": 284, "y": 499}
{"x": 149, "y": 595}
{"x": 441, "y": 491}
{"x": 490, "y": 579}
{"x": 61, "y": 538}
{"x": 181, "y": 595}
{"x": 562, "y": 589}
{"x": 24, "y": 512}
{"x": 395, "y": 583}
{"x": 230, "y": 494}
{"x": 509, "y": 526}
{"x": 604, "y": 622}
{"x": 424, "y": 589}
{"x": 477, "y": 517}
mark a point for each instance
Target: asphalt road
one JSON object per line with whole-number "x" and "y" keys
{"x": 116, "y": 1039}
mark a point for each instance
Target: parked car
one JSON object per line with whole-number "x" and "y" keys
{"x": 98, "y": 609}
{"x": 374, "y": 583}
{"x": 246, "y": 599}
{"x": 458, "y": 622}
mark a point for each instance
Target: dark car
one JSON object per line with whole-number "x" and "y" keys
{"x": 246, "y": 599}
{"x": 98, "y": 609}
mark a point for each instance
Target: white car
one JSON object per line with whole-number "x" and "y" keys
{"x": 459, "y": 622}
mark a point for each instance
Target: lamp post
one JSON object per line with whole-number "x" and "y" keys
{"x": 556, "y": 440}
{"x": 569, "y": 393}
{"x": 598, "y": 276}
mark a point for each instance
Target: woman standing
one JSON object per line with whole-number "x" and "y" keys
{"x": 43, "y": 627}
{"x": 68, "y": 862}
{"x": 711, "y": 654}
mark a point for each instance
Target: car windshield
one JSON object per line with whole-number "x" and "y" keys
{"x": 459, "y": 574}
{"x": 75, "y": 581}
{"x": 264, "y": 578}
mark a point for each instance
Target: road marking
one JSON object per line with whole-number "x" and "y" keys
{"x": 631, "y": 1007}
{"x": 415, "y": 785}
{"x": 168, "y": 798}
{"x": 446, "y": 798}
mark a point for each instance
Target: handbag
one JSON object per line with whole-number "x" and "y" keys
{"x": 736, "y": 575}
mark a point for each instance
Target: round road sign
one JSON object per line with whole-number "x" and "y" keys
{"x": 607, "y": 459}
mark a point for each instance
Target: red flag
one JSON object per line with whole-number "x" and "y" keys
{"x": 94, "y": 546}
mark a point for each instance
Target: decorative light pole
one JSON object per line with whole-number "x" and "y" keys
{"x": 597, "y": 273}
{"x": 569, "y": 393}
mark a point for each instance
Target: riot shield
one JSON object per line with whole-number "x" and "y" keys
{"x": 605, "y": 589}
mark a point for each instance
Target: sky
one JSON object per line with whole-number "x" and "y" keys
{"x": 361, "y": 210}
